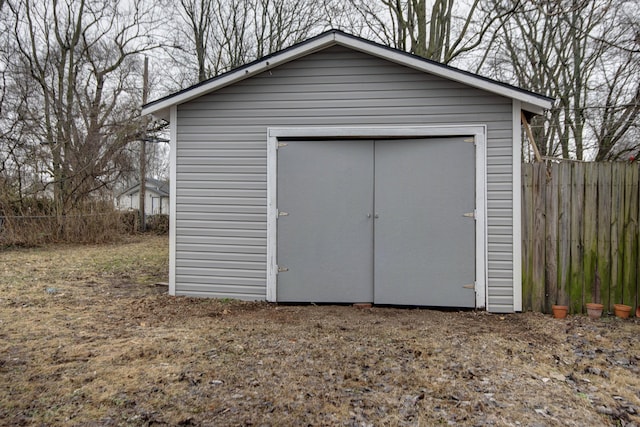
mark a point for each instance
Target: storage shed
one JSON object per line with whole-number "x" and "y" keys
{"x": 341, "y": 170}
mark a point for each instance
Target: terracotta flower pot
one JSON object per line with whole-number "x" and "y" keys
{"x": 638, "y": 312}
{"x": 559, "y": 311}
{"x": 594, "y": 310}
{"x": 622, "y": 311}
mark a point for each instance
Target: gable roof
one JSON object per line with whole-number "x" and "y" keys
{"x": 531, "y": 102}
{"x": 161, "y": 188}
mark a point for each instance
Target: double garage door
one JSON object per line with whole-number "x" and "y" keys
{"x": 383, "y": 221}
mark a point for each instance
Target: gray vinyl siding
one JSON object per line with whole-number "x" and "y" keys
{"x": 221, "y": 159}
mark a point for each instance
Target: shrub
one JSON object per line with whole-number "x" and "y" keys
{"x": 158, "y": 224}
{"x": 33, "y": 223}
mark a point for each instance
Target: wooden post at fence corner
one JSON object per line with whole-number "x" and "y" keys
{"x": 527, "y": 225}
{"x": 532, "y": 141}
{"x": 539, "y": 237}
{"x": 551, "y": 238}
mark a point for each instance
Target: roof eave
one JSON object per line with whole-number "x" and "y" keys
{"x": 535, "y": 108}
{"x": 531, "y": 102}
{"x": 161, "y": 107}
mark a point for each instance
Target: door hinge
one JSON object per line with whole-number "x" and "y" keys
{"x": 470, "y": 214}
{"x": 473, "y": 140}
{"x": 282, "y": 144}
{"x": 470, "y": 286}
{"x": 282, "y": 269}
{"x": 280, "y": 213}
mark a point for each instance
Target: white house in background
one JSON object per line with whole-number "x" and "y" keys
{"x": 156, "y": 198}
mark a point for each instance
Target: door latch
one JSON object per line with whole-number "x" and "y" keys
{"x": 470, "y": 214}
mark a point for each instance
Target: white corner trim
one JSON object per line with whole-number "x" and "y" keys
{"x": 482, "y": 267}
{"x": 517, "y": 207}
{"x": 478, "y": 131}
{"x": 173, "y": 140}
{"x": 272, "y": 216}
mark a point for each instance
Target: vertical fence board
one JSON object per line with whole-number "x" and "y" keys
{"x": 590, "y": 229}
{"x": 576, "y": 285}
{"x": 527, "y": 224}
{"x": 564, "y": 233}
{"x": 604, "y": 232}
{"x": 551, "y": 237}
{"x": 539, "y": 187}
{"x": 630, "y": 254}
{"x": 617, "y": 232}
{"x": 636, "y": 302}
{"x": 580, "y": 221}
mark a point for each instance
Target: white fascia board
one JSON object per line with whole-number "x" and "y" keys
{"x": 173, "y": 141}
{"x": 529, "y": 102}
{"x": 161, "y": 109}
{"x": 534, "y": 108}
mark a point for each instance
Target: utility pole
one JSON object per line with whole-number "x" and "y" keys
{"x": 143, "y": 148}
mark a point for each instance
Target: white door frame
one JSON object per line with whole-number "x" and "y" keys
{"x": 477, "y": 131}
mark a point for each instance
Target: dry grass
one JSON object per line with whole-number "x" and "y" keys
{"x": 87, "y": 339}
{"x": 91, "y": 227}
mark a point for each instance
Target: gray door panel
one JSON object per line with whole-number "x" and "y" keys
{"x": 420, "y": 248}
{"x": 326, "y": 240}
{"x": 424, "y": 246}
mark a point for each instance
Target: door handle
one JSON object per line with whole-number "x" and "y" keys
{"x": 368, "y": 215}
{"x": 376, "y": 215}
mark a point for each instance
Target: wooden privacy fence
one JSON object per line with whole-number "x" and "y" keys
{"x": 579, "y": 222}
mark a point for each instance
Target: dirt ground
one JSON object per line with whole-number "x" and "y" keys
{"x": 88, "y": 339}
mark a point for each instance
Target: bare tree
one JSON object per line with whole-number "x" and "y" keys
{"x": 76, "y": 69}
{"x": 442, "y": 32}
{"x": 614, "y": 114}
{"x": 573, "y": 51}
{"x": 221, "y": 35}
{"x": 613, "y": 122}
{"x": 281, "y": 23}
{"x": 19, "y": 157}
{"x": 198, "y": 17}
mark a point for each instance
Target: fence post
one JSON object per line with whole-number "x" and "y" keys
{"x": 617, "y": 234}
{"x": 539, "y": 234}
{"x": 551, "y": 250}
{"x": 630, "y": 235}
{"x": 604, "y": 231}
{"x": 527, "y": 223}
{"x": 564, "y": 233}
{"x": 577, "y": 239}
{"x": 591, "y": 221}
